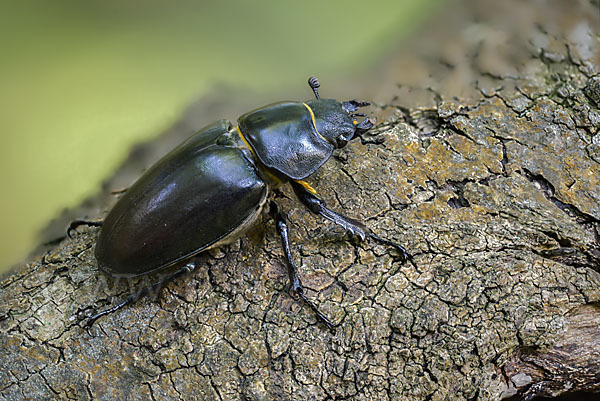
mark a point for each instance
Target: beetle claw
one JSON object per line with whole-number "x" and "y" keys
{"x": 405, "y": 255}
{"x": 320, "y": 316}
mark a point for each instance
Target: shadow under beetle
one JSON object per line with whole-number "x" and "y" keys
{"x": 212, "y": 187}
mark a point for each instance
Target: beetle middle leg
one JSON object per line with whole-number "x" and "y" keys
{"x": 352, "y": 226}
{"x": 132, "y": 298}
{"x": 295, "y": 284}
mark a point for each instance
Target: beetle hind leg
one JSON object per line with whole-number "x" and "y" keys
{"x": 352, "y": 226}
{"x": 295, "y": 284}
{"x": 132, "y": 298}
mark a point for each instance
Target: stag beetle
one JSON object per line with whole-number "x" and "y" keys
{"x": 210, "y": 189}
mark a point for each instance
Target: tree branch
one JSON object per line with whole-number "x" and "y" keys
{"x": 495, "y": 194}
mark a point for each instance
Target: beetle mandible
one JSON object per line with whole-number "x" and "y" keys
{"x": 207, "y": 191}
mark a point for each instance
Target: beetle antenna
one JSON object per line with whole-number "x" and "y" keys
{"x": 314, "y": 85}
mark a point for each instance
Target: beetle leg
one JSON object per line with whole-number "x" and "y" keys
{"x": 295, "y": 284}
{"x": 282, "y": 229}
{"x": 352, "y": 226}
{"x": 77, "y": 223}
{"x": 132, "y": 298}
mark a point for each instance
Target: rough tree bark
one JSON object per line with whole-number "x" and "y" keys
{"x": 494, "y": 190}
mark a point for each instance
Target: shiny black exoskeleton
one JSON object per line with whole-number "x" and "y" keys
{"x": 211, "y": 188}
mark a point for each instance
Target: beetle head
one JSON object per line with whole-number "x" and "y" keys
{"x": 337, "y": 122}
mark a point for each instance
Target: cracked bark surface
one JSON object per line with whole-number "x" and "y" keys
{"x": 496, "y": 194}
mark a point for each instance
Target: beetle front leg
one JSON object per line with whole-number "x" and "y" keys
{"x": 352, "y": 226}
{"x": 295, "y": 284}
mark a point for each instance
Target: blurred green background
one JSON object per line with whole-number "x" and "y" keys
{"x": 81, "y": 81}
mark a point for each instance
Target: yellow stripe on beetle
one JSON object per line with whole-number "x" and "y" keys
{"x": 312, "y": 115}
{"x": 245, "y": 141}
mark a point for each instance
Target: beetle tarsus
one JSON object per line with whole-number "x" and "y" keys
{"x": 97, "y": 316}
{"x": 295, "y": 284}
{"x": 351, "y": 226}
{"x": 320, "y": 316}
{"x": 78, "y": 223}
{"x": 405, "y": 255}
